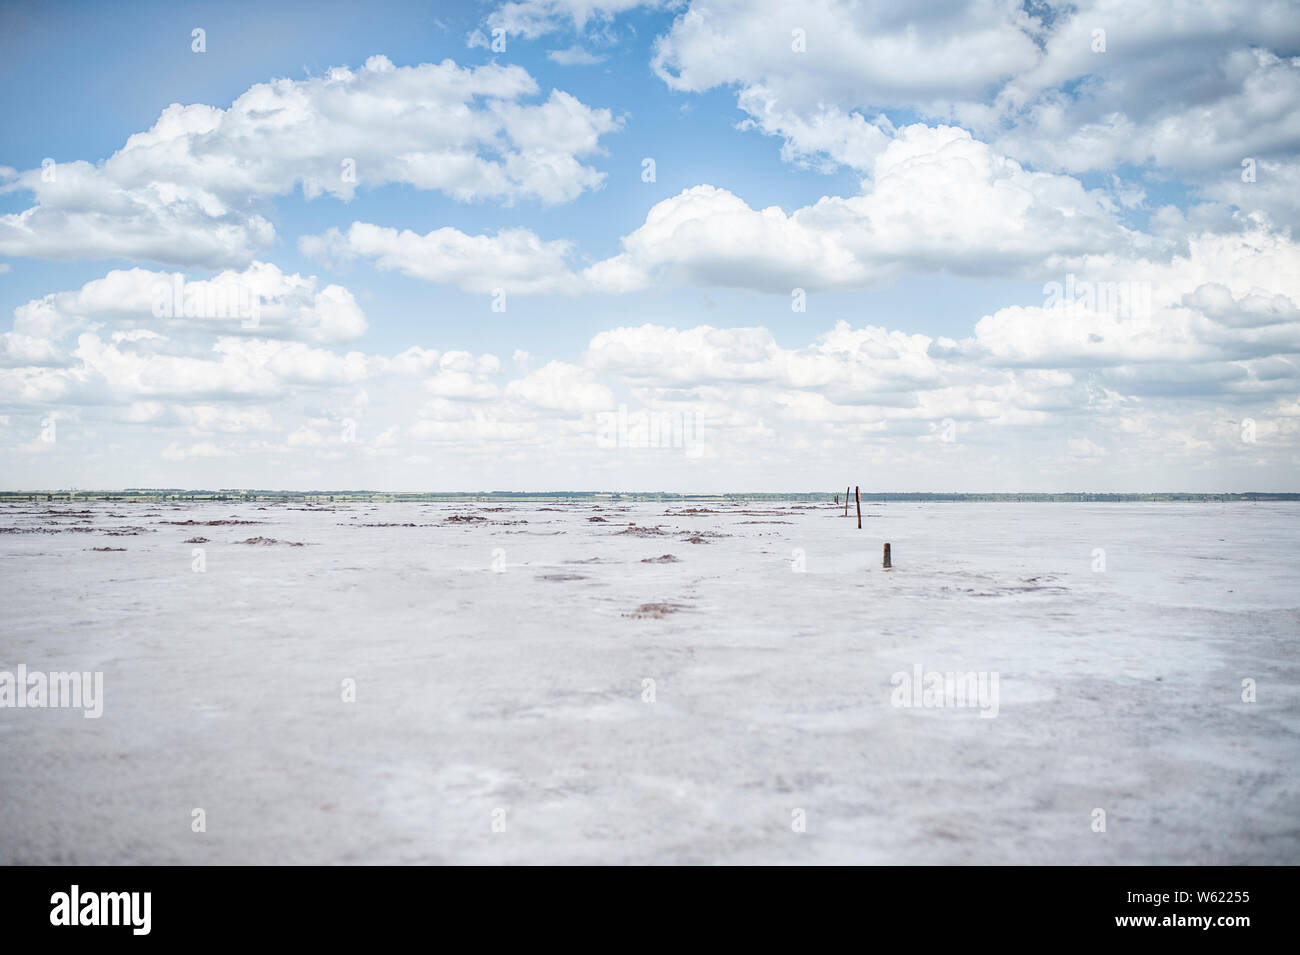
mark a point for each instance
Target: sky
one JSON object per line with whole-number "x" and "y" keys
{"x": 698, "y": 245}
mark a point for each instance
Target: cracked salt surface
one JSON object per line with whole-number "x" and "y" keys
{"x": 522, "y": 690}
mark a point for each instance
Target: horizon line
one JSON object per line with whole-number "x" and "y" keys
{"x": 138, "y": 491}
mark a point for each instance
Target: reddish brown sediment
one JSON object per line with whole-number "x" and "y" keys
{"x": 222, "y": 523}
{"x": 654, "y": 611}
{"x": 407, "y": 524}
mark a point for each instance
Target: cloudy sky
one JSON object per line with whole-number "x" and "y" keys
{"x": 601, "y": 244}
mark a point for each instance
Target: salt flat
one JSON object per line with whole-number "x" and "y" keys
{"x": 500, "y": 666}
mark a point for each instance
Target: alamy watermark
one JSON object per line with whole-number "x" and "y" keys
{"x": 75, "y": 907}
{"x": 1128, "y": 299}
{"x": 649, "y": 429}
{"x": 953, "y": 690}
{"x": 178, "y": 299}
{"x": 32, "y": 688}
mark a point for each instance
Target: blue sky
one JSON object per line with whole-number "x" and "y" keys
{"x": 931, "y": 171}
{"x": 691, "y": 137}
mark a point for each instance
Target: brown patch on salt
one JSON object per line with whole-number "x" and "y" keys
{"x": 665, "y": 559}
{"x": 196, "y": 540}
{"x": 269, "y": 540}
{"x": 635, "y": 531}
{"x": 208, "y": 523}
{"x": 656, "y": 611}
{"x": 108, "y": 548}
{"x": 407, "y": 524}
{"x": 47, "y": 530}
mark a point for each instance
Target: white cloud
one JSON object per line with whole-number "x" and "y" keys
{"x": 239, "y": 368}
{"x": 1196, "y": 90}
{"x": 822, "y": 139}
{"x": 530, "y": 19}
{"x": 462, "y": 377}
{"x": 258, "y": 301}
{"x": 855, "y": 54}
{"x": 180, "y": 192}
{"x": 200, "y": 449}
{"x": 938, "y": 200}
{"x": 575, "y": 56}
{"x": 1228, "y": 302}
{"x": 1159, "y": 96}
{"x": 559, "y": 386}
{"x": 1030, "y": 395}
{"x": 17, "y": 349}
{"x": 224, "y": 419}
{"x": 1275, "y": 190}
{"x": 857, "y": 366}
{"x": 1035, "y": 392}
{"x": 514, "y": 259}
{"x": 86, "y": 211}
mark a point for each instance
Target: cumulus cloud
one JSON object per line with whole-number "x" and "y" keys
{"x": 938, "y": 200}
{"x": 257, "y": 301}
{"x": 559, "y": 386}
{"x": 1195, "y": 92}
{"x": 1162, "y": 383}
{"x": 513, "y": 259}
{"x": 180, "y": 192}
{"x": 859, "y": 54}
{"x": 138, "y": 337}
{"x": 1092, "y": 86}
{"x": 463, "y": 377}
{"x": 224, "y": 419}
{"x": 1258, "y": 184}
{"x": 1017, "y": 112}
{"x": 1218, "y": 321}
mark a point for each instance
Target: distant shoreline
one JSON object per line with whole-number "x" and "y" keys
{"x": 827, "y": 497}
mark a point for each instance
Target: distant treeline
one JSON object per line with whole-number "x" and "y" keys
{"x": 181, "y": 494}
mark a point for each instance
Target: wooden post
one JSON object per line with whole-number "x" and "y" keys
{"x": 846, "y": 502}
{"x": 858, "y": 497}
{"x": 885, "y": 562}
